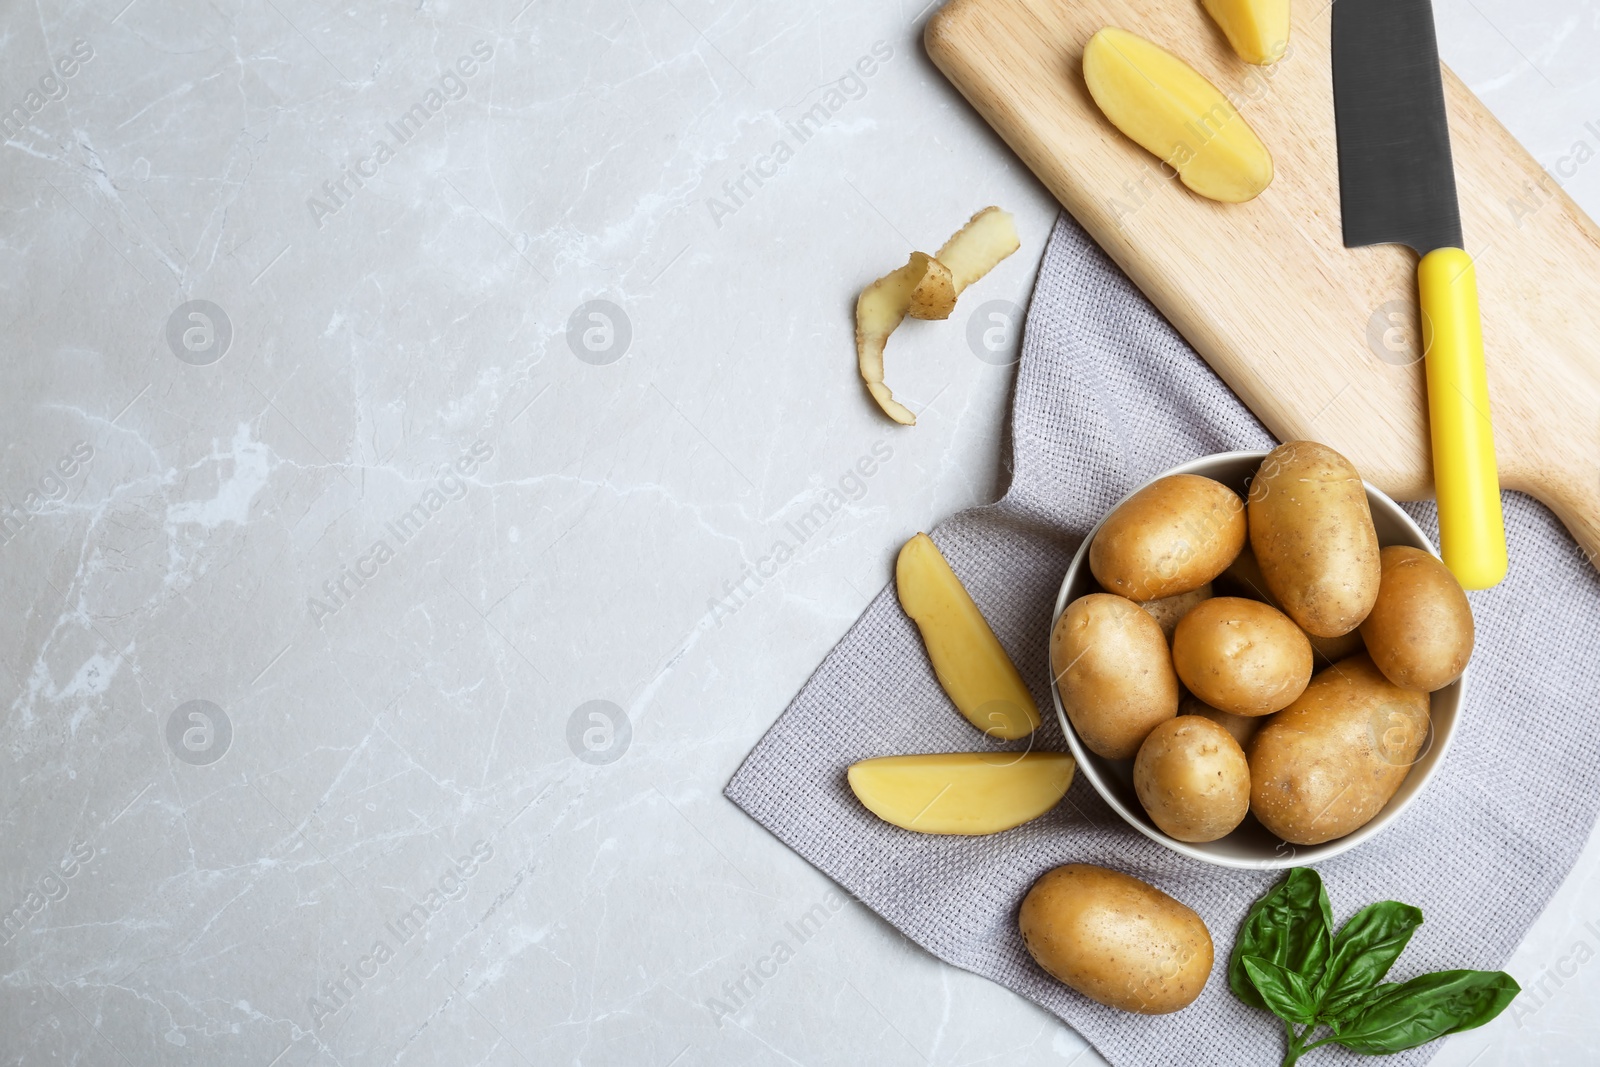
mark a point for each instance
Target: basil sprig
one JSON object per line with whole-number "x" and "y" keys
{"x": 1287, "y": 960}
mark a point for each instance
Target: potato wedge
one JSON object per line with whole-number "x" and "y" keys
{"x": 968, "y": 659}
{"x": 1258, "y": 30}
{"x": 962, "y": 792}
{"x": 1168, "y": 108}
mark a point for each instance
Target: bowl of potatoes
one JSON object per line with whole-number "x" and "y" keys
{"x": 1257, "y": 658}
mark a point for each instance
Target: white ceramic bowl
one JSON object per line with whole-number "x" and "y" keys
{"x": 1250, "y": 846}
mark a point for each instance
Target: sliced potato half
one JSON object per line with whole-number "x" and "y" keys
{"x": 971, "y": 664}
{"x": 962, "y": 792}
{"x": 1170, "y": 109}
{"x": 1257, "y": 29}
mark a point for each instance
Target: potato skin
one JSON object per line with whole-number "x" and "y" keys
{"x": 1193, "y": 779}
{"x": 1328, "y": 763}
{"x": 1242, "y": 728}
{"x": 1241, "y": 656}
{"x": 1420, "y": 631}
{"x": 1115, "y": 939}
{"x": 1311, "y": 528}
{"x": 1169, "y": 609}
{"x": 1114, "y": 673}
{"x": 1174, "y": 535}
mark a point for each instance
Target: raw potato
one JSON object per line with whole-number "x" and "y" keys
{"x": 1330, "y": 650}
{"x": 1166, "y": 107}
{"x": 1114, "y": 672}
{"x": 1243, "y": 578}
{"x": 962, "y": 792}
{"x": 1420, "y": 631}
{"x": 1193, "y": 779}
{"x": 1174, "y": 535}
{"x": 971, "y": 665}
{"x": 1241, "y": 656}
{"x": 1241, "y": 727}
{"x": 1311, "y": 528}
{"x": 979, "y": 246}
{"x": 1258, "y": 30}
{"x": 1328, "y": 763}
{"x": 1169, "y": 609}
{"x": 1116, "y": 940}
{"x": 926, "y": 288}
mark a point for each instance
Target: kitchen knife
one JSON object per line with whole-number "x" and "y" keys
{"x": 1397, "y": 186}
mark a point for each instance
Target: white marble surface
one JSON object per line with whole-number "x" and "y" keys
{"x": 177, "y": 519}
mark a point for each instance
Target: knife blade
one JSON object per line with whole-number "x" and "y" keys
{"x": 1397, "y": 186}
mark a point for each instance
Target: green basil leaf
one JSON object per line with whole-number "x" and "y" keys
{"x": 1362, "y": 954}
{"x": 1290, "y": 927}
{"x": 1287, "y": 995}
{"x": 1405, "y": 1015}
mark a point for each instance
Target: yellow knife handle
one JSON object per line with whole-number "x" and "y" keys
{"x": 1472, "y": 535}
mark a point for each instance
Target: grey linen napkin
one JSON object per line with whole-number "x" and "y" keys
{"x": 1108, "y": 395}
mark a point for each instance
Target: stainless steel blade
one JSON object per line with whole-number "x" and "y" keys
{"x": 1396, "y": 180}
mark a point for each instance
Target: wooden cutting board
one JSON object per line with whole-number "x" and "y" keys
{"x": 1319, "y": 340}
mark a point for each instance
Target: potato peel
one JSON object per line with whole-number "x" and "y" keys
{"x": 935, "y": 294}
{"x": 979, "y": 246}
{"x": 926, "y": 288}
{"x": 880, "y": 308}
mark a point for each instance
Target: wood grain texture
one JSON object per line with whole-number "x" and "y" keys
{"x": 1266, "y": 291}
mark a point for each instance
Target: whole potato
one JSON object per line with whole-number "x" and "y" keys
{"x": 1241, "y": 727}
{"x": 1420, "y": 631}
{"x": 1329, "y": 762}
{"x": 1312, "y": 532}
{"x": 1174, "y": 535}
{"x": 1330, "y": 650}
{"x": 1169, "y": 609}
{"x": 1192, "y": 778}
{"x": 1114, "y": 673}
{"x": 1241, "y": 655}
{"x": 1115, "y": 939}
{"x": 1244, "y": 578}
